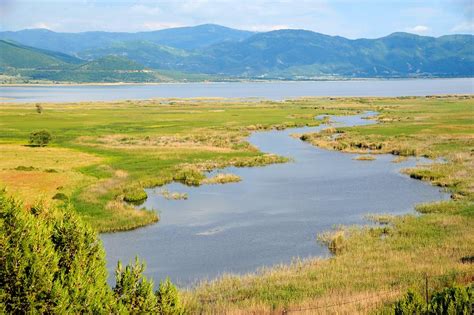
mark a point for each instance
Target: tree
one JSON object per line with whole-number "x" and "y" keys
{"x": 168, "y": 299}
{"x": 133, "y": 292}
{"x": 50, "y": 262}
{"x": 53, "y": 263}
{"x": 39, "y": 108}
{"x": 40, "y": 138}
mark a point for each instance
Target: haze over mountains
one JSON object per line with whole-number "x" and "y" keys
{"x": 221, "y": 52}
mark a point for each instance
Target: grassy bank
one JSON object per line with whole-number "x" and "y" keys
{"x": 373, "y": 266}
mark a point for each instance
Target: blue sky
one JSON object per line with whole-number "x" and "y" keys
{"x": 352, "y": 19}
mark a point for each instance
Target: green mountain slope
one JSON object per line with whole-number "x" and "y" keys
{"x": 36, "y": 64}
{"x": 144, "y": 52}
{"x": 305, "y": 54}
{"x": 111, "y": 63}
{"x": 14, "y": 55}
{"x": 282, "y": 54}
{"x": 297, "y": 52}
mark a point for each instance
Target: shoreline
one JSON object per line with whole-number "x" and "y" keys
{"x": 223, "y": 81}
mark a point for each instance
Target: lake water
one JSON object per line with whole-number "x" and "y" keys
{"x": 267, "y": 90}
{"x": 272, "y": 216}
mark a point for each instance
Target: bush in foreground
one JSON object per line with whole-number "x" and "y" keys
{"x": 51, "y": 262}
{"x": 450, "y": 301}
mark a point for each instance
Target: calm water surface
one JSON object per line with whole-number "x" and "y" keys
{"x": 268, "y": 90}
{"x": 272, "y": 216}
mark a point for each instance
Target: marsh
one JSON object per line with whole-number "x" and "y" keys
{"x": 273, "y": 215}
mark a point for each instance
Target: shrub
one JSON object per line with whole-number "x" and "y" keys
{"x": 133, "y": 292}
{"x": 449, "y": 301}
{"x": 168, "y": 299}
{"x": 135, "y": 194}
{"x": 39, "y": 108}
{"x": 53, "y": 263}
{"x": 453, "y": 300}
{"x": 189, "y": 176}
{"x": 304, "y": 137}
{"x": 410, "y": 304}
{"x": 40, "y": 138}
{"x": 60, "y": 196}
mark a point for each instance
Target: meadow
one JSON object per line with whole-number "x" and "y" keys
{"x": 104, "y": 153}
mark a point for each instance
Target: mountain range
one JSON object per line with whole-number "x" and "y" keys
{"x": 212, "y": 52}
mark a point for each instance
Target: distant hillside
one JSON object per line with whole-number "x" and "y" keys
{"x": 72, "y": 43}
{"x": 13, "y": 55}
{"x": 290, "y": 53}
{"x": 146, "y": 53}
{"x": 212, "y": 51}
{"x": 111, "y": 63}
{"x": 36, "y": 64}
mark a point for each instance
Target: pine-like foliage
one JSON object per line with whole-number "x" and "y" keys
{"x": 52, "y": 262}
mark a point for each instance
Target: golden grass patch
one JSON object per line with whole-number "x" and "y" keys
{"x": 33, "y": 185}
{"x": 33, "y": 173}
{"x": 222, "y": 179}
{"x": 14, "y": 155}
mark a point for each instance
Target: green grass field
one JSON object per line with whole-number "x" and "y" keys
{"x": 104, "y": 152}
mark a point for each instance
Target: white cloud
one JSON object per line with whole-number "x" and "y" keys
{"x": 267, "y": 28}
{"x": 160, "y": 25}
{"x": 466, "y": 27}
{"x": 44, "y": 25}
{"x": 418, "y": 29}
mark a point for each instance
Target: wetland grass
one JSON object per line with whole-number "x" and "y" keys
{"x": 143, "y": 144}
{"x": 222, "y": 179}
{"x": 173, "y": 195}
{"x": 365, "y": 158}
{"x": 96, "y": 173}
{"x": 435, "y": 243}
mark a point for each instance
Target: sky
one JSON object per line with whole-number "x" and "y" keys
{"x": 351, "y": 19}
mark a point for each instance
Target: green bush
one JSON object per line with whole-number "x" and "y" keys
{"x": 40, "y": 138}
{"x": 60, "y": 196}
{"x": 51, "y": 262}
{"x": 133, "y": 292}
{"x": 449, "y": 301}
{"x": 411, "y": 303}
{"x": 189, "y": 176}
{"x": 134, "y": 194}
{"x": 453, "y": 300}
{"x": 168, "y": 299}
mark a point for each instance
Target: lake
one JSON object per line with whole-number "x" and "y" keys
{"x": 272, "y": 216}
{"x": 266, "y": 90}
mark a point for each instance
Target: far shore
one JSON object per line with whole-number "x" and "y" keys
{"x": 45, "y": 84}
